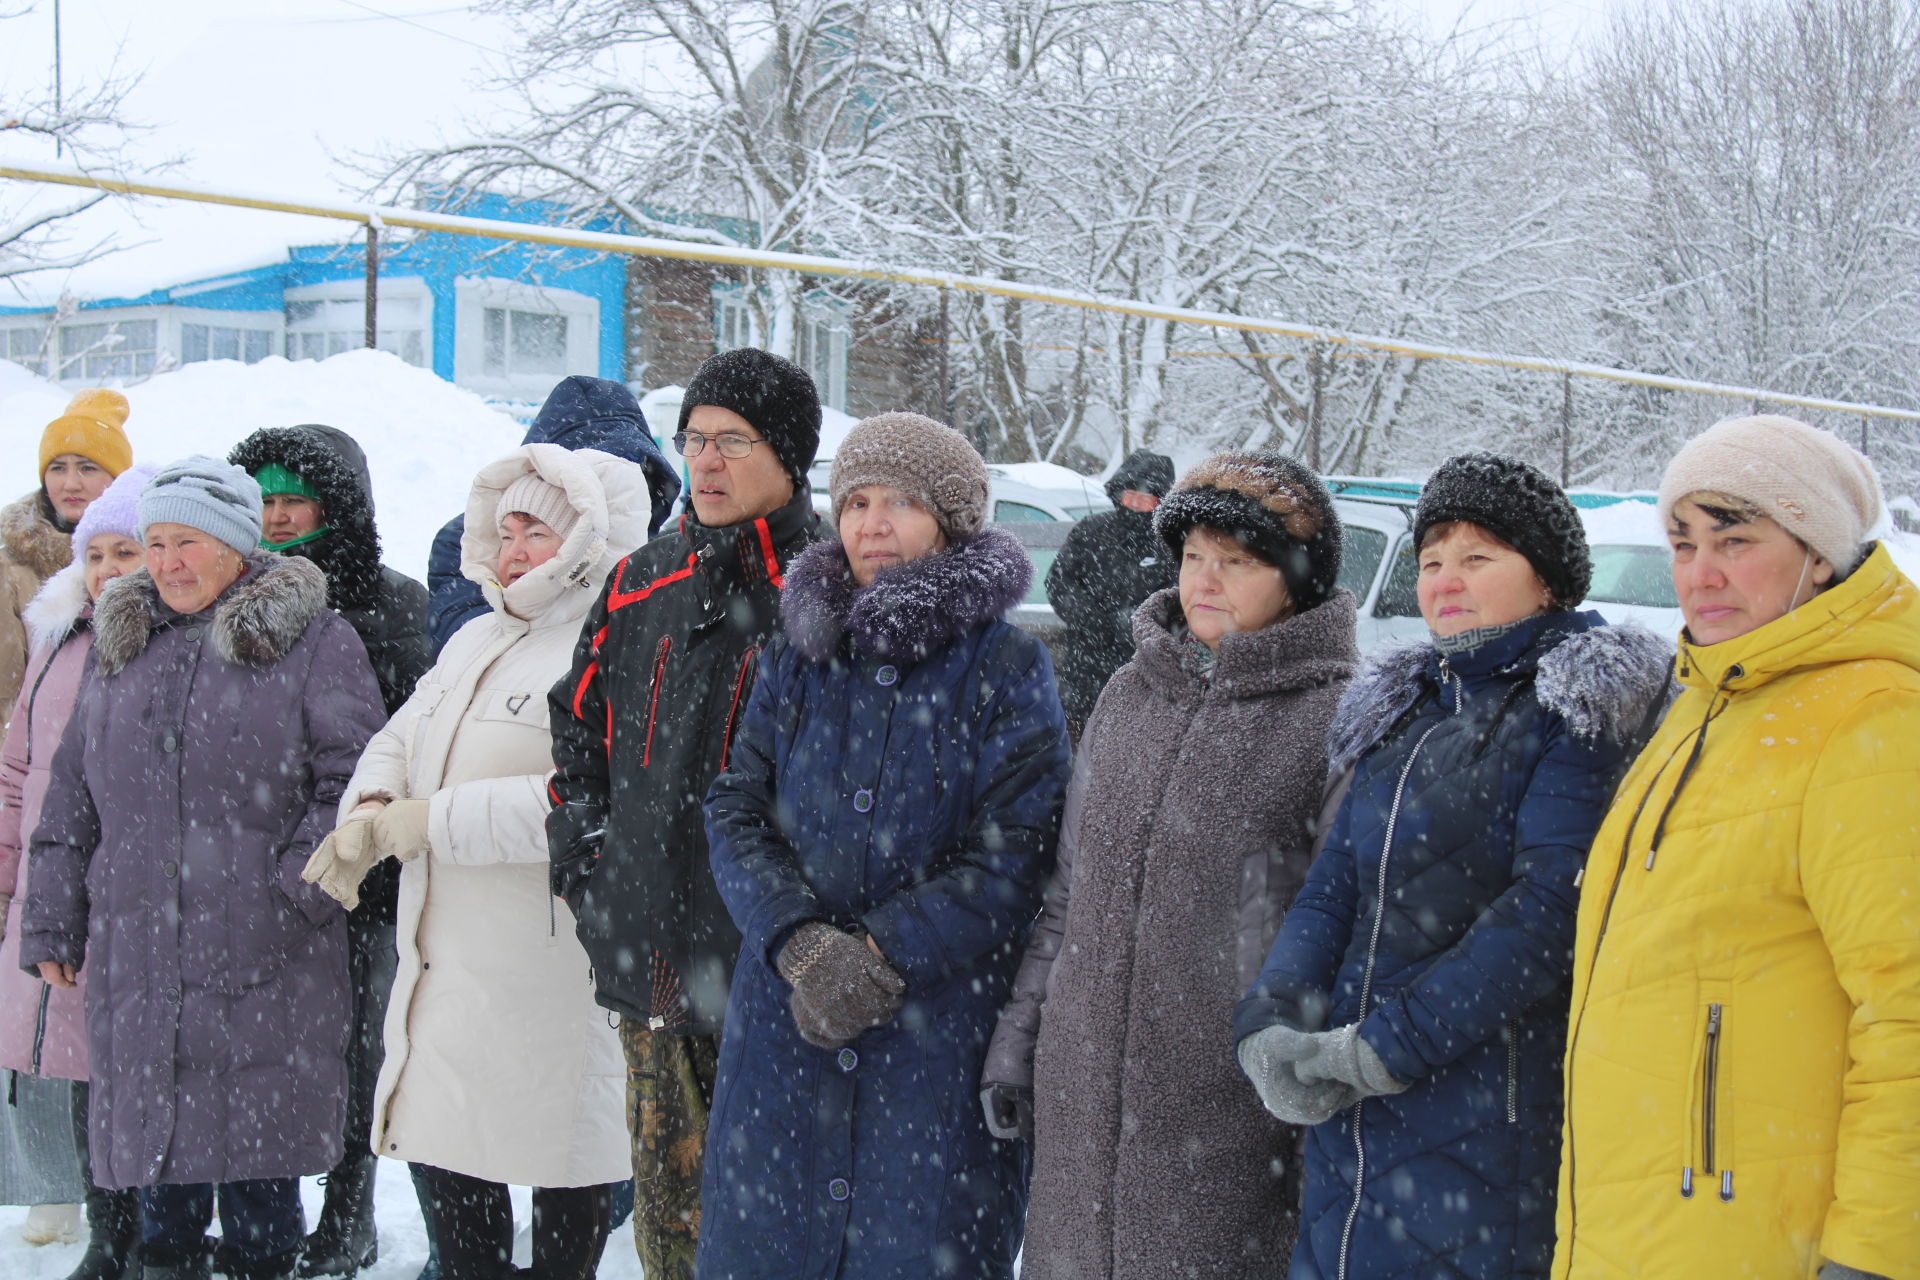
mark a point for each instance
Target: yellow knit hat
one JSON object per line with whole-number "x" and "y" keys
{"x": 93, "y": 427}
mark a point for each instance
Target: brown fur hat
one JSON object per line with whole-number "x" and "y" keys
{"x": 1273, "y": 505}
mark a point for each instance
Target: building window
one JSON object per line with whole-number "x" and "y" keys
{"x": 110, "y": 349}
{"x": 820, "y": 347}
{"x": 322, "y": 327}
{"x": 517, "y": 343}
{"x": 218, "y": 342}
{"x": 25, "y": 347}
{"x": 733, "y": 323}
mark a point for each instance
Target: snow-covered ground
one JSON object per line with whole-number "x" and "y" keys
{"x": 403, "y": 1239}
{"x": 424, "y": 438}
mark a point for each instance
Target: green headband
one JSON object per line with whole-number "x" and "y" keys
{"x": 274, "y": 478}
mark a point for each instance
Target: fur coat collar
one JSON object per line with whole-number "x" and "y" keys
{"x": 911, "y": 610}
{"x": 256, "y": 621}
{"x": 53, "y": 614}
{"x": 31, "y": 540}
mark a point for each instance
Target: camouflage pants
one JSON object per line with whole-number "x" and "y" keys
{"x": 669, "y": 1091}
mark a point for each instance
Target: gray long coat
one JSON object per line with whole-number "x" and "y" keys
{"x": 204, "y": 761}
{"x": 1188, "y": 828}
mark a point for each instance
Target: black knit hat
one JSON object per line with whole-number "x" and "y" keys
{"x": 1144, "y": 471}
{"x": 1517, "y": 503}
{"x": 1273, "y": 506}
{"x": 776, "y": 396}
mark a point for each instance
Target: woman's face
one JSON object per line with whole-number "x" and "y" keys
{"x": 525, "y": 545}
{"x": 1469, "y": 579}
{"x": 881, "y": 527}
{"x": 286, "y": 516}
{"x": 72, "y": 482}
{"x": 109, "y": 556}
{"x": 1225, "y": 587}
{"x": 1734, "y": 574}
{"x": 189, "y": 566}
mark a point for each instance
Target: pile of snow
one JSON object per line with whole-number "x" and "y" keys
{"x": 424, "y": 438}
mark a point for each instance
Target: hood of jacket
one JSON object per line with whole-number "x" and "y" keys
{"x": 910, "y": 610}
{"x": 334, "y": 464}
{"x": 59, "y": 607}
{"x": 1867, "y": 616}
{"x": 31, "y": 539}
{"x": 1599, "y": 678}
{"x": 598, "y": 413}
{"x": 256, "y": 621}
{"x": 1305, "y": 651}
{"x": 1143, "y": 469}
{"x": 610, "y": 493}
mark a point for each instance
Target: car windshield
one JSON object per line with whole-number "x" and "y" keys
{"x": 1360, "y": 552}
{"x": 1632, "y": 573}
{"x": 1043, "y": 558}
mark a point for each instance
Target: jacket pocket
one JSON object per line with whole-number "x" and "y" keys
{"x": 1711, "y": 1128}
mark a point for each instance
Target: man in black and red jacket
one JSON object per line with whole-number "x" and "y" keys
{"x": 641, "y": 726}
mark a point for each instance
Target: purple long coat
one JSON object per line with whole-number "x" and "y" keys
{"x": 204, "y": 761}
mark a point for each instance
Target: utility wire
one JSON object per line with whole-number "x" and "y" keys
{"x": 404, "y": 19}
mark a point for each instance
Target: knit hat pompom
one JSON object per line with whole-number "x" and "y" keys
{"x": 116, "y": 510}
{"x": 1519, "y": 504}
{"x": 215, "y": 497}
{"x": 776, "y": 397}
{"x": 532, "y": 496}
{"x": 934, "y": 465}
{"x": 1271, "y": 504}
{"x": 93, "y": 426}
{"x": 1810, "y": 482}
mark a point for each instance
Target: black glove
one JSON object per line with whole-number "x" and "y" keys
{"x": 1009, "y": 1109}
{"x": 840, "y": 986}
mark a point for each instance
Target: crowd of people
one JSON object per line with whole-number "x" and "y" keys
{"x": 710, "y": 859}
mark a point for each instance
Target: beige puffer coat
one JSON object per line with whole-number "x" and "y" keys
{"x": 499, "y": 1064}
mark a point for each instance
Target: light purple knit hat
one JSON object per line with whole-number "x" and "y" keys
{"x": 116, "y": 510}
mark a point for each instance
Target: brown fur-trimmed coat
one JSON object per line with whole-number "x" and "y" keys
{"x": 32, "y": 549}
{"x": 1189, "y": 825}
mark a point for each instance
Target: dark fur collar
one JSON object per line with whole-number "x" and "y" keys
{"x": 333, "y": 463}
{"x": 256, "y": 622}
{"x": 1601, "y": 680}
{"x": 911, "y": 610}
{"x": 31, "y": 539}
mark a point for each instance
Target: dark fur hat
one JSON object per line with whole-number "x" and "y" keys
{"x": 1273, "y": 505}
{"x": 776, "y": 396}
{"x": 1520, "y": 505}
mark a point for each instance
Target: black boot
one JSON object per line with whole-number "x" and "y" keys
{"x": 161, "y": 1263}
{"x": 113, "y": 1231}
{"x": 343, "y": 1241}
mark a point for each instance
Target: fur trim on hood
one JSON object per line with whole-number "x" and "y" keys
{"x": 334, "y": 464}
{"x": 52, "y": 614}
{"x": 912, "y": 609}
{"x": 31, "y": 539}
{"x": 257, "y": 621}
{"x": 1602, "y": 680}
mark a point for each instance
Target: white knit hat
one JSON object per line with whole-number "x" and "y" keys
{"x": 532, "y": 496}
{"x": 1810, "y": 482}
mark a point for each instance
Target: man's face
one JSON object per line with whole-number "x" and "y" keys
{"x": 729, "y": 491}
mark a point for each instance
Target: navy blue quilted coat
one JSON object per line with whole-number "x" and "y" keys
{"x": 908, "y": 781}
{"x": 1477, "y": 784}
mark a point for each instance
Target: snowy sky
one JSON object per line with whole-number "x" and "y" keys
{"x": 275, "y": 96}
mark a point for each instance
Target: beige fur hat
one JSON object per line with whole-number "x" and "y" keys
{"x": 1810, "y": 482}
{"x": 934, "y": 465}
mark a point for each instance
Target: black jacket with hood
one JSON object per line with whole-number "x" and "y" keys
{"x": 1110, "y": 564}
{"x": 580, "y": 413}
{"x": 642, "y": 725}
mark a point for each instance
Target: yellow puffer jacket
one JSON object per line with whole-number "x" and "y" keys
{"x": 1743, "y": 1062}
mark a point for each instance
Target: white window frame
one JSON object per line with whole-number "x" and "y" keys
{"x": 474, "y": 296}
{"x": 734, "y": 323}
{"x": 85, "y": 368}
{"x": 270, "y": 325}
{"x": 824, "y": 334}
{"x": 411, "y": 290}
{"x": 34, "y": 328}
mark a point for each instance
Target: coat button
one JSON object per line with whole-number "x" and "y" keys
{"x": 169, "y": 869}
{"x": 862, "y": 800}
{"x": 173, "y": 997}
{"x": 887, "y": 675}
{"x": 839, "y": 1189}
{"x": 849, "y": 1059}
{"x": 167, "y": 743}
{"x": 193, "y": 636}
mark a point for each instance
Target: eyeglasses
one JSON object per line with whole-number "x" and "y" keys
{"x": 690, "y": 443}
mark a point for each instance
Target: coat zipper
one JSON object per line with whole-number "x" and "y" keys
{"x": 40, "y": 1027}
{"x": 1373, "y": 948}
{"x": 1710, "y": 1109}
{"x": 1513, "y": 1071}
{"x": 653, "y": 697}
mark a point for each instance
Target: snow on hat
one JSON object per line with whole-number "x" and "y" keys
{"x": 775, "y": 396}
{"x": 93, "y": 426}
{"x": 1269, "y": 503}
{"x": 933, "y": 464}
{"x": 1519, "y": 504}
{"x": 532, "y": 496}
{"x": 215, "y": 497}
{"x": 116, "y": 510}
{"x": 1810, "y": 482}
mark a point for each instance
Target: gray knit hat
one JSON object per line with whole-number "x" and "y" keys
{"x": 934, "y": 465}
{"x": 1810, "y": 482}
{"x": 215, "y": 497}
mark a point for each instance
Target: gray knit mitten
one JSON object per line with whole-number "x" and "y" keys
{"x": 1268, "y": 1059}
{"x": 840, "y": 987}
{"x": 1344, "y": 1057}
